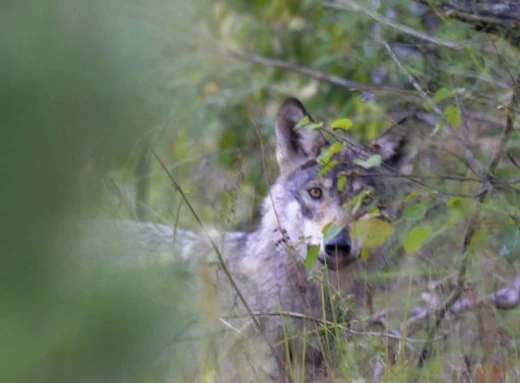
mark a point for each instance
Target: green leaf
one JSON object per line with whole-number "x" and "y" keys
{"x": 364, "y": 254}
{"x": 410, "y": 196}
{"x": 442, "y": 94}
{"x": 459, "y": 207}
{"x": 330, "y": 231}
{"x": 452, "y": 113}
{"x": 314, "y": 125}
{"x": 373, "y": 161}
{"x": 357, "y": 202}
{"x": 313, "y": 252}
{"x": 477, "y": 238}
{"x": 510, "y": 249}
{"x": 342, "y": 182}
{"x": 304, "y": 121}
{"x": 415, "y": 212}
{"x": 327, "y": 168}
{"x": 329, "y": 152}
{"x": 416, "y": 238}
{"x": 374, "y": 210}
{"x": 426, "y": 106}
{"x": 342, "y": 123}
{"x": 371, "y": 232}
{"x": 440, "y": 125}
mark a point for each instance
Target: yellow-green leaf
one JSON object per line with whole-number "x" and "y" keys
{"x": 460, "y": 204}
{"x": 477, "y": 238}
{"x": 452, "y": 113}
{"x": 410, "y": 196}
{"x": 312, "y": 256}
{"x": 304, "y": 121}
{"x": 364, "y": 253}
{"x": 342, "y": 182}
{"x": 416, "y": 238}
{"x": 372, "y": 232}
{"x": 371, "y": 162}
{"x": 329, "y": 152}
{"x": 441, "y": 94}
{"x": 327, "y": 168}
{"x": 330, "y": 231}
{"x": 314, "y": 125}
{"x": 415, "y": 211}
{"x": 342, "y": 123}
{"x": 374, "y": 210}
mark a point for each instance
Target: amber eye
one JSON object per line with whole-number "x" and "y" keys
{"x": 315, "y": 193}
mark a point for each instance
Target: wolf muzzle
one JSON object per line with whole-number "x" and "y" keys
{"x": 338, "y": 252}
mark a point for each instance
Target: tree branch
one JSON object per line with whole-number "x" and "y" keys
{"x": 473, "y": 163}
{"x": 352, "y": 5}
{"x": 499, "y": 17}
{"x": 312, "y": 73}
{"x": 506, "y": 297}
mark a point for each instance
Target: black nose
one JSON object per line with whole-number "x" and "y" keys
{"x": 339, "y": 244}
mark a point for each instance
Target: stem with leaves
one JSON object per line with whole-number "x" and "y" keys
{"x": 454, "y": 296}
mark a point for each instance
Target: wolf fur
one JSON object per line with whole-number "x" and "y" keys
{"x": 267, "y": 264}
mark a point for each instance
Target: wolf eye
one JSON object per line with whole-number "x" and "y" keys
{"x": 315, "y": 193}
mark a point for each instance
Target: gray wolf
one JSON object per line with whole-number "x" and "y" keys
{"x": 303, "y": 207}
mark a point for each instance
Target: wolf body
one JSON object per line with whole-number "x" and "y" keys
{"x": 267, "y": 265}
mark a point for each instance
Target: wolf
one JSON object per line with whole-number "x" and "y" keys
{"x": 272, "y": 299}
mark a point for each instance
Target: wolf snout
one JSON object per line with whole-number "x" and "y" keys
{"x": 338, "y": 251}
{"x": 340, "y": 243}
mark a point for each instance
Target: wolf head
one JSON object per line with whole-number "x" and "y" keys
{"x": 319, "y": 206}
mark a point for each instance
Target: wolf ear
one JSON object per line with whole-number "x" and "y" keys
{"x": 295, "y": 145}
{"x": 396, "y": 149}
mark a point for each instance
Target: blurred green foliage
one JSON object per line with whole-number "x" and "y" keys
{"x": 81, "y": 86}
